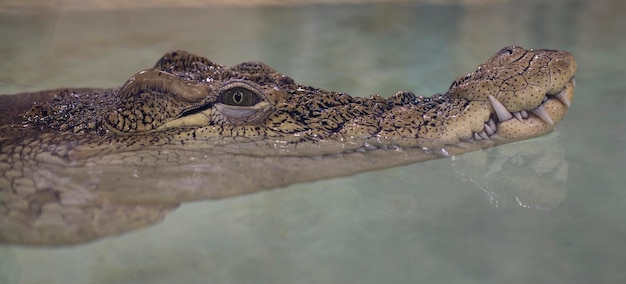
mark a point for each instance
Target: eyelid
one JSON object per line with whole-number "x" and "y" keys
{"x": 248, "y": 97}
{"x": 230, "y": 85}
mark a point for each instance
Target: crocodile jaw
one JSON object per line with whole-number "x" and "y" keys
{"x": 539, "y": 122}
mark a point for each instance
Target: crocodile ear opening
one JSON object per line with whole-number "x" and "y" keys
{"x": 151, "y": 98}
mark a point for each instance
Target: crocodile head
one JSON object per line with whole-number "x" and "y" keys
{"x": 187, "y": 107}
{"x": 516, "y": 82}
{"x": 189, "y": 129}
{"x": 254, "y": 110}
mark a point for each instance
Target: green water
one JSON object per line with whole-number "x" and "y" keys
{"x": 414, "y": 224}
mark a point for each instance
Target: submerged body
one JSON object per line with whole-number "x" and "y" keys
{"x": 189, "y": 129}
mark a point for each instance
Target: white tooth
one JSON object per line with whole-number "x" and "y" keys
{"x": 503, "y": 114}
{"x": 543, "y": 114}
{"x": 518, "y": 115}
{"x": 524, "y": 114}
{"x": 574, "y": 82}
{"x": 492, "y": 123}
{"x": 489, "y": 130}
{"x": 484, "y": 135}
{"x": 477, "y": 137}
{"x": 563, "y": 98}
{"x": 462, "y": 145}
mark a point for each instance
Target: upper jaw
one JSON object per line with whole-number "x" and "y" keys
{"x": 533, "y": 111}
{"x": 528, "y": 123}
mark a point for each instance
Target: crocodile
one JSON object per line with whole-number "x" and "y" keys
{"x": 190, "y": 129}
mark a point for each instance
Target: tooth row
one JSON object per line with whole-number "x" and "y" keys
{"x": 481, "y": 136}
{"x": 524, "y": 114}
{"x": 541, "y": 112}
{"x": 563, "y": 98}
{"x": 503, "y": 114}
{"x": 501, "y": 111}
{"x": 488, "y": 130}
{"x": 520, "y": 115}
{"x": 492, "y": 124}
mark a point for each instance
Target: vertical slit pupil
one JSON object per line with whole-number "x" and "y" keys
{"x": 238, "y": 97}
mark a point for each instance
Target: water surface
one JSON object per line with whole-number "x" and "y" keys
{"x": 426, "y": 223}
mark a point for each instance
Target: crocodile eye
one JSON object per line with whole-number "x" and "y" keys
{"x": 238, "y": 93}
{"x": 239, "y": 97}
{"x": 241, "y": 102}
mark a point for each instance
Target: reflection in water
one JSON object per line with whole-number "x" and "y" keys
{"x": 64, "y": 224}
{"x": 317, "y": 232}
{"x": 530, "y": 174}
{"x": 9, "y": 266}
{"x": 82, "y": 180}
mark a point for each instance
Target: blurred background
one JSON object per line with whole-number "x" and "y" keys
{"x": 443, "y": 221}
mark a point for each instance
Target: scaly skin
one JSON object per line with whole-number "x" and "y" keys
{"x": 189, "y": 129}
